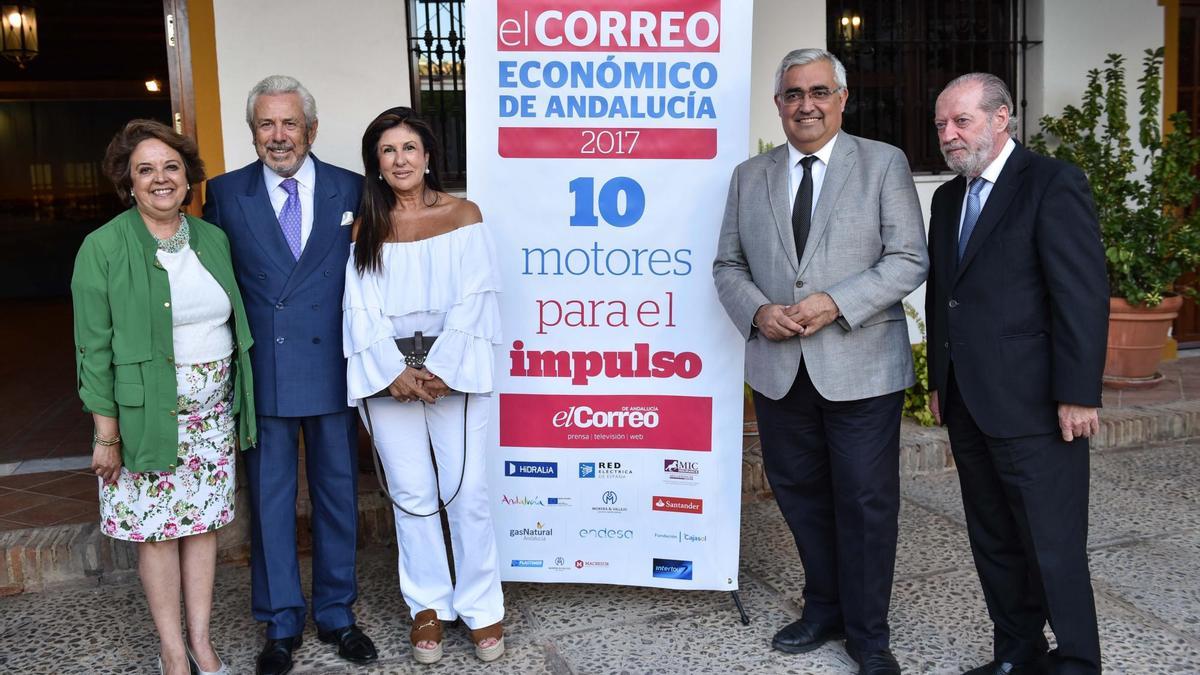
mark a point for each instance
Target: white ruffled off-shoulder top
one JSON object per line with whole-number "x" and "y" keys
{"x": 445, "y": 286}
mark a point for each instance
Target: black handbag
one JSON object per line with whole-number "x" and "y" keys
{"x": 415, "y": 349}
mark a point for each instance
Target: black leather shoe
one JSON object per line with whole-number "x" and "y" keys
{"x": 353, "y": 644}
{"x": 804, "y": 636}
{"x": 1005, "y": 668}
{"x": 276, "y": 656}
{"x": 875, "y": 663}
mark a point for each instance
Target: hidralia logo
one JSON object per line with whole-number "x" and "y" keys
{"x": 678, "y": 504}
{"x": 531, "y": 469}
{"x": 665, "y": 568}
{"x": 527, "y": 563}
{"x": 681, "y": 471}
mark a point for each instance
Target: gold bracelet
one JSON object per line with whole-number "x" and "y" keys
{"x": 106, "y": 442}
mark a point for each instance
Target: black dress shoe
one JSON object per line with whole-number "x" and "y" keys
{"x": 875, "y": 663}
{"x": 804, "y": 636}
{"x": 276, "y": 656}
{"x": 1004, "y": 668}
{"x": 353, "y": 644}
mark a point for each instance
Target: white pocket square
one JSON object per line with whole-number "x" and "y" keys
{"x": 347, "y": 218}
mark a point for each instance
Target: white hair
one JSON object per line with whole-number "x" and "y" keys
{"x": 803, "y": 57}
{"x": 281, "y": 84}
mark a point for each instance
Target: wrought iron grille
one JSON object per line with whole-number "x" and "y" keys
{"x": 436, "y": 46}
{"x": 900, "y": 53}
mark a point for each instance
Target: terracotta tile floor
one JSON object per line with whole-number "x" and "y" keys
{"x": 48, "y": 498}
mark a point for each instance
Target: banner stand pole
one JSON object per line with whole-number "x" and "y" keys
{"x": 737, "y": 600}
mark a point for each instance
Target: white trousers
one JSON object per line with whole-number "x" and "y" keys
{"x": 402, "y": 434}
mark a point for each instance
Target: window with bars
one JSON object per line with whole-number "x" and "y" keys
{"x": 437, "y": 53}
{"x": 900, "y": 53}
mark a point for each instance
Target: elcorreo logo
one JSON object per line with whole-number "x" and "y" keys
{"x": 531, "y": 469}
{"x": 679, "y": 470}
{"x": 606, "y": 421}
{"x": 558, "y": 501}
{"x": 527, "y": 563}
{"x": 537, "y": 533}
{"x": 678, "y": 504}
{"x": 521, "y": 501}
{"x": 665, "y": 568}
{"x": 605, "y": 533}
{"x": 587, "y": 469}
{"x": 584, "y": 417}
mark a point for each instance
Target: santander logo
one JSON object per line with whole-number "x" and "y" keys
{"x": 678, "y": 504}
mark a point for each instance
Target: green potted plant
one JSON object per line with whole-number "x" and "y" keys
{"x": 1151, "y": 236}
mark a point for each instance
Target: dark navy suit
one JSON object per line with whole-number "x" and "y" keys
{"x": 295, "y": 315}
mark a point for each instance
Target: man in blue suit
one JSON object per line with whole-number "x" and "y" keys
{"x": 288, "y": 218}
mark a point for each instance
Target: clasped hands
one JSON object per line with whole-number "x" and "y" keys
{"x": 413, "y": 384}
{"x": 1074, "y": 421}
{"x": 780, "y": 322}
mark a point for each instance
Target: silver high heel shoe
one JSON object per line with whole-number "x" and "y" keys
{"x": 196, "y": 670}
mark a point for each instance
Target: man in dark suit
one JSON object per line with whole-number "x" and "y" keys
{"x": 1017, "y": 310}
{"x": 822, "y": 239}
{"x": 288, "y": 217}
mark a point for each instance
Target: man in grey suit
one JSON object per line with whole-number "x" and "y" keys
{"x": 822, "y": 239}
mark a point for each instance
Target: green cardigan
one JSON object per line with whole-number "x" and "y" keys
{"x": 124, "y": 350}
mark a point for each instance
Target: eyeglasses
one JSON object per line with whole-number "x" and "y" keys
{"x": 817, "y": 94}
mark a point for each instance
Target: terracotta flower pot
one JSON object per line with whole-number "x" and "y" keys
{"x": 1136, "y": 336}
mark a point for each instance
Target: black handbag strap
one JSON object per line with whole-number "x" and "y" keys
{"x": 383, "y": 486}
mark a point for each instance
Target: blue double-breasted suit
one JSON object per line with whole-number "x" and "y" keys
{"x": 294, "y": 309}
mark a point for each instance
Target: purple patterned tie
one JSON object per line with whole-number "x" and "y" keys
{"x": 289, "y": 215}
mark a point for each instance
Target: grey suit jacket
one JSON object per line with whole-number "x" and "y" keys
{"x": 866, "y": 249}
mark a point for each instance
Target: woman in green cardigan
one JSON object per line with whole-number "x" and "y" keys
{"x": 162, "y": 357}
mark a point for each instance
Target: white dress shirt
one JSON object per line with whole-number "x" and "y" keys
{"x": 989, "y": 176}
{"x": 796, "y": 174}
{"x": 306, "y": 178}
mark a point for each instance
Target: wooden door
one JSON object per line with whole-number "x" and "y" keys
{"x": 1187, "y": 326}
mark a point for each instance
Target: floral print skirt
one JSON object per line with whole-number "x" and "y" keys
{"x": 197, "y": 496}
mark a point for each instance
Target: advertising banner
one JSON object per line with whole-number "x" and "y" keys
{"x": 602, "y": 135}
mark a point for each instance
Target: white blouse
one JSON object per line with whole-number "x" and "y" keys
{"x": 200, "y": 309}
{"x": 444, "y": 286}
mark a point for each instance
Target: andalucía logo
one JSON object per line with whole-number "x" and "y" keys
{"x": 537, "y": 533}
{"x": 678, "y": 504}
{"x": 531, "y": 469}
{"x": 521, "y": 501}
{"x": 527, "y": 563}
{"x": 665, "y": 568}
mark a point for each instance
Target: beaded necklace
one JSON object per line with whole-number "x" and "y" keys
{"x": 175, "y": 242}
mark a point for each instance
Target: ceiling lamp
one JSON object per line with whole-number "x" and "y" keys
{"x": 18, "y": 33}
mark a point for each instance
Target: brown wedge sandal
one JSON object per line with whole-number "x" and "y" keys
{"x": 493, "y": 652}
{"x": 426, "y": 627}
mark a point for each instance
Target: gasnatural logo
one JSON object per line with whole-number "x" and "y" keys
{"x": 521, "y": 501}
{"x": 678, "y": 504}
{"x": 531, "y": 469}
{"x": 537, "y": 533}
{"x": 665, "y": 568}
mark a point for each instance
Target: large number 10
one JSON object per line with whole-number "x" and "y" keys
{"x": 585, "y": 206}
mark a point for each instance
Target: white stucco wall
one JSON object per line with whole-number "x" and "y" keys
{"x": 1077, "y": 36}
{"x": 779, "y": 27}
{"x": 352, "y": 56}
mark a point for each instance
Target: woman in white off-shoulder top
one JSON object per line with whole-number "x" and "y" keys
{"x": 423, "y": 262}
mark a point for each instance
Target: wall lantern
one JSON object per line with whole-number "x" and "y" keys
{"x": 850, "y": 27}
{"x": 18, "y": 33}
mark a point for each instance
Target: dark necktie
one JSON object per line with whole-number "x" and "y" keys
{"x": 802, "y": 208}
{"x": 971, "y": 215}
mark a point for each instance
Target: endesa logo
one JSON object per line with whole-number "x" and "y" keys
{"x": 531, "y": 469}
{"x": 606, "y": 421}
{"x": 608, "y": 25}
{"x": 605, "y": 533}
{"x": 678, "y": 504}
{"x": 665, "y": 568}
